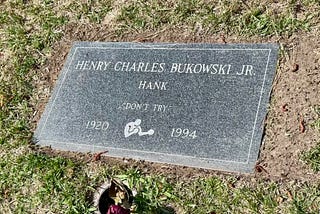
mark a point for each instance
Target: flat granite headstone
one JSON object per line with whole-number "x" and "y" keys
{"x": 200, "y": 105}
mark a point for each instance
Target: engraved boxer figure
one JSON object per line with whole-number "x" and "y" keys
{"x": 134, "y": 128}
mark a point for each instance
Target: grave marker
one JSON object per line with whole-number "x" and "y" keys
{"x": 200, "y": 105}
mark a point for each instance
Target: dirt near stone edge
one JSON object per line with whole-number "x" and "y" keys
{"x": 288, "y": 131}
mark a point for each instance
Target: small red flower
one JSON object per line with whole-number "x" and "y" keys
{"x": 116, "y": 209}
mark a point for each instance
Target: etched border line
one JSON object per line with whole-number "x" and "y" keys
{"x": 167, "y": 48}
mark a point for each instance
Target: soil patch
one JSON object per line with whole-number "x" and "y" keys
{"x": 295, "y": 93}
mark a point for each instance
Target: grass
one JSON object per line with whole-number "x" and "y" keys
{"x": 224, "y": 196}
{"x": 217, "y": 16}
{"x": 312, "y": 157}
{"x": 31, "y": 182}
{"x": 35, "y": 181}
{"x": 316, "y": 123}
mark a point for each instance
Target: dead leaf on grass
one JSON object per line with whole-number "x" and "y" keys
{"x": 284, "y": 107}
{"x": 260, "y": 169}
{"x": 290, "y": 197}
{"x": 279, "y": 200}
{"x": 295, "y": 67}
{"x": 223, "y": 38}
{"x": 97, "y": 156}
{"x": 1, "y": 100}
{"x": 301, "y": 125}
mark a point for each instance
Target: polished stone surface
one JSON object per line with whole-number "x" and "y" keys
{"x": 200, "y": 105}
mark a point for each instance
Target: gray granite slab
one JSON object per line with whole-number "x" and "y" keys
{"x": 200, "y": 105}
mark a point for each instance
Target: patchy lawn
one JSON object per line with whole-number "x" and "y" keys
{"x": 35, "y": 38}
